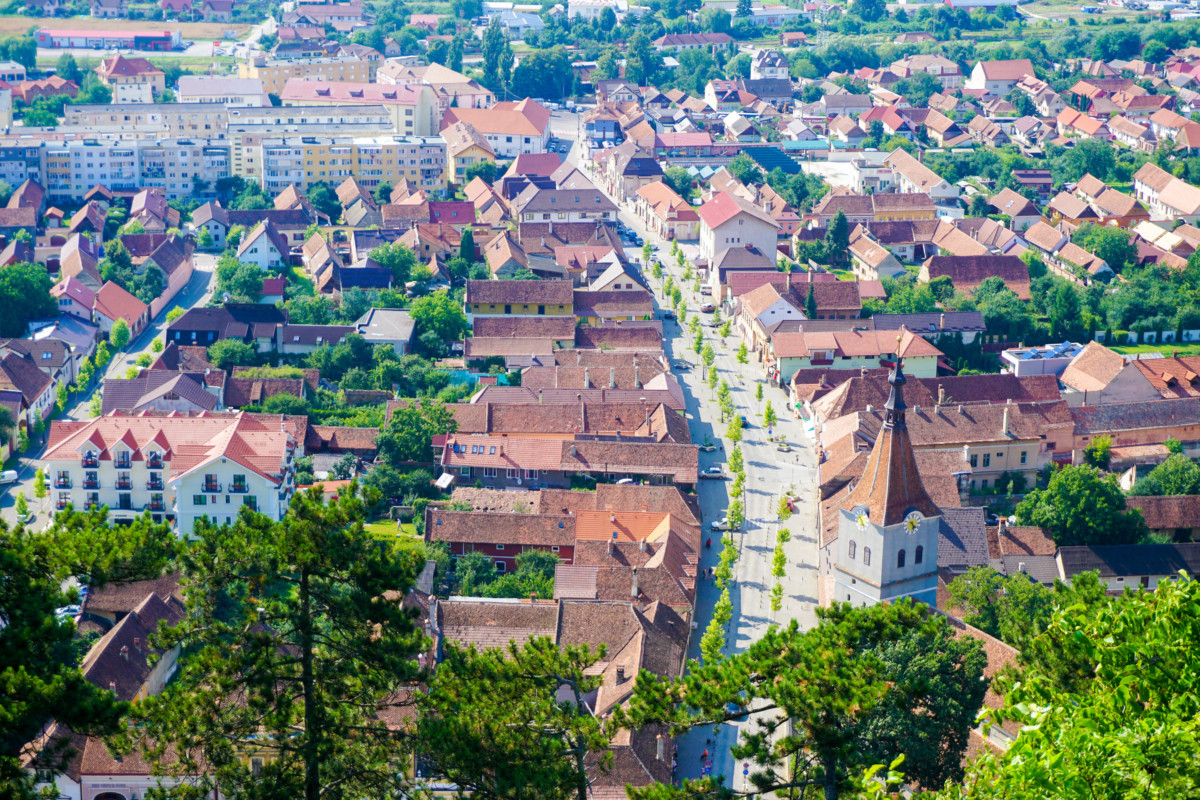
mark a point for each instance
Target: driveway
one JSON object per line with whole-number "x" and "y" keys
{"x": 769, "y": 474}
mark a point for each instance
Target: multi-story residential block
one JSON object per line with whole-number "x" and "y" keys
{"x": 179, "y": 468}
{"x": 145, "y": 120}
{"x": 74, "y": 166}
{"x": 180, "y": 167}
{"x": 249, "y": 127}
{"x": 275, "y": 73}
{"x": 209, "y": 89}
{"x": 22, "y": 158}
{"x": 370, "y": 160}
{"x": 451, "y": 89}
{"x": 411, "y": 108}
{"x": 464, "y": 147}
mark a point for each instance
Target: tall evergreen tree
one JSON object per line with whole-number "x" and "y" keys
{"x": 508, "y": 724}
{"x": 863, "y": 687}
{"x": 466, "y": 250}
{"x": 837, "y": 241}
{"x": 298, "y": 649}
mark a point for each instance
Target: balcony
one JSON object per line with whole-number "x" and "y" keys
{"x": 91, "y": 484}
{"x": 90, "y": 462}
{"x": 155, "y": 483}
{"x": 238, "y": 488}
{"x": 155, "y": 505}
{"x": 125, "y": 484}
{"x": 154, "y": 463}
{"x": 124, "y": 463}
{"x": 60, "y": 505}
{"x": 212, "y": 487}
{"x": 62, "y": 483}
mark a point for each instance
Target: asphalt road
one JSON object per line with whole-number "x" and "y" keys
{"x": 769, "y": 474}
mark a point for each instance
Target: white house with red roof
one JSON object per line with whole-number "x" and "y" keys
{"x": 113, "y": 303}
{"x": 999, "y": 77}
{"x": 509, "y": 128}
{"x": 728, "y": 221}
{"x": 180, "y": 468}
{"x": 74, "y": 298}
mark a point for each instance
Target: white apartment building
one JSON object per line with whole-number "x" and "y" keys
{"x": 372, "y": 160}
{"x": 22, "y": 158}
{"x": 74, "y": 166}
{"x": 250, "y": 127}
{"x": 180, "y": 469}
{"x": 165, "y": 119}
{"x": 220, "y": 90}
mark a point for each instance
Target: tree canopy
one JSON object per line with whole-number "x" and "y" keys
{"x": 1080, "y": 506}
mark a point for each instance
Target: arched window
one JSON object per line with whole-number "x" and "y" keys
{"x": 110, "y": 796}
{"x": 900, "y": 559}
{"x": 867, "y": 556}
{"x": 919, "y": 556}
{"x": 853, "y": 547}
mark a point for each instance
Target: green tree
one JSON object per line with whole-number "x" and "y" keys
{"x": 862, "y": 687}
{"x": 466, "y": 250}
{"x": 295, "y": 650}
{"x": 837, "y": 241}
{"x": 284, "y": 403}
{"x": 1127, "y": 732}
{"x": 1114, "y": 245}
{"x": 397, "y": 258}
{"x": 24, "y": 295}
{"x": 39, "y": 484}
{"x": 409, "y": 434}
{"x": 1080, "y": 506}
{"x": 440, "y": 314}
{"x": 769, "y": 417}
{"x": 245, "y": 284}
{"x": 743, "y": 354}
{"x": 39, "y": 678}
{"x": 157, "y": 344}
{"x": 324, "y": 200}
{"x": 736, "y": 463}
{"x": 745, "y": 169}
{"x": 712, "y": 642}
{"x": 680, "y": 181}
{"x": 1177, "y": 475}
{"x": 642, "y": 61}
{"x": 743, "y": 9}
{"x": 253, "y": 197}
{"x": 544, "y": 73}
{"x": 22, "y": 505}
{"x": 475, "y": 721}
{"x": 734, "y": 431}
{"x": 119, "y": 335}
{"x": 67, "y": 69}
{"x": 229, "y": 353}
{"x": 497, "y": 57}
{"x": 1098, "y": 452}
{"x": 205, "y": 239}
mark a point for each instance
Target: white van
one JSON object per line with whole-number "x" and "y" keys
{"x": 8, "y": 476}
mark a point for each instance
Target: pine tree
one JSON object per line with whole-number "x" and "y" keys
{"x": 810, "y": 304}
{"x": 297, "y": 645}
{"x": 467, "y": 250}
{"x": 494, "y": 723}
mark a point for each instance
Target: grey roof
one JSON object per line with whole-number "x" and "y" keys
{"x": 1040, "y": 569}
{"x": 386, "y": 325}
{"x": 949, "y": 321}
{"x": 67, "y": 328}
{"x": 1131, "y": 560}
{"x": 132, "y": 394}
{"x": 1158, "y": 413}
{"x": 963, "y": 540}
{"x": 47, "y": 353}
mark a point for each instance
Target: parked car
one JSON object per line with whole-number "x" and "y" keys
{"x": 668, "y": 315}
{"x": 745, "y": 422}
{"x": 681, "y": 365}
{"x": 783, "y": 447}
{"x": 722, "y": 524}
{"x": 68, "y": 612}
{"x": 708, "y": 447}
{"x": 9, "y": 476}
{"x": 707, "y": 308}
{"x": 716, "y": 472}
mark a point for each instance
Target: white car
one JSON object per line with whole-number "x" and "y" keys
{"x": 716, "y": 471}
{"x": 721, "y": 524}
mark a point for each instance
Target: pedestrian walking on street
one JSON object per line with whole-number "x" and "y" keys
{"x": 708, "y": 543}
{"x": 704, "y": 756}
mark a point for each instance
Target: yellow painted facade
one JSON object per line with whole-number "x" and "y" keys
{"x": 456, "y": 166}
{"x": 904, "y": 216}
{"x": 274, "y": 75}
{"x": 521, "y": 309}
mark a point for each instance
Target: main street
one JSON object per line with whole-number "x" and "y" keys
{"x": 770, "y": 474}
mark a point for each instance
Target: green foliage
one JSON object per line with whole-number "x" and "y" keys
{"x": 1114, "y": 245}
{"x": 743, "y": 354}
{"x": 769, "y": 417}
{"x": 439, "y": 313}
{"x": 544, "y": 73}
{"x": 1129, "y": 731}
{"x": 785, "y": 511}
{"x": 534, "y": 575}
{"x": 745, "y": 169}
{"x": 736, "y": 512}
{"x": 175, "y": 313}
{"x": 39, "y": 484}
{"x": 284, "y": 403}
{"x": 1178, "y": 474}
{"x": 680, "y": 181}
{"x": 409, "y": 433}
{"x": 737, "y": 462}
{"x": 1080, "y": 506}
{"x": 24, "y": 295}
{"x": 862, "y": 687}
{"x": 229, "y": 353}
{"x": 734, "y": 431}
{"x": 119, "y": 335}
{"x": 712, "y": 643}
{"x": 253, "y": 197}
{"x": 474, "y": 723}
{"x": 1098, "y": 453}
{"x": 95, "y": 408}
{"x": 397, "y": 258}
{"x": 497, "y": 57}
{"x": 294, "y": 617}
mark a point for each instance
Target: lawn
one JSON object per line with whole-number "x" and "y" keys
{"x": 17, "y": 25}
{"x": 386, "y": 529}
{"x": 1167, "y": 349}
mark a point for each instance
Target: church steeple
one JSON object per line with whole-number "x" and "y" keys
{"x": 891, "y": 487}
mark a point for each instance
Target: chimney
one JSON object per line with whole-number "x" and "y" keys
{"x": 1004, "y": 425}
{"x": 942, "y": 321}
{"x": 960, "y": 409}
{"x": 637, "y": 377}
{"x": 612, "y": 377}
{"x": 1021, "y": 566}
{"x": 124, "y": 652}
{"x": 539, "y": 395}
{"x": 587, "y": 378}
{"x": 645, "y": 548}
{"x": 610, "y": 547}
{"x": 870, "y": 408}
{"x": 661, "y": 750}
{"x": 966, "y": 452}
{"x": 533, "y": 597}
{"x": 941, "y": 394}
{"x": 612, "y": 517}
{"x": 633, "y": 590}
{"x": 578, "y": 357}
{"x": 112, "y": 686}
{"x": 572, "y": 451}
{"x": 137, "y": 643}
{"x": 620, "y": 674}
